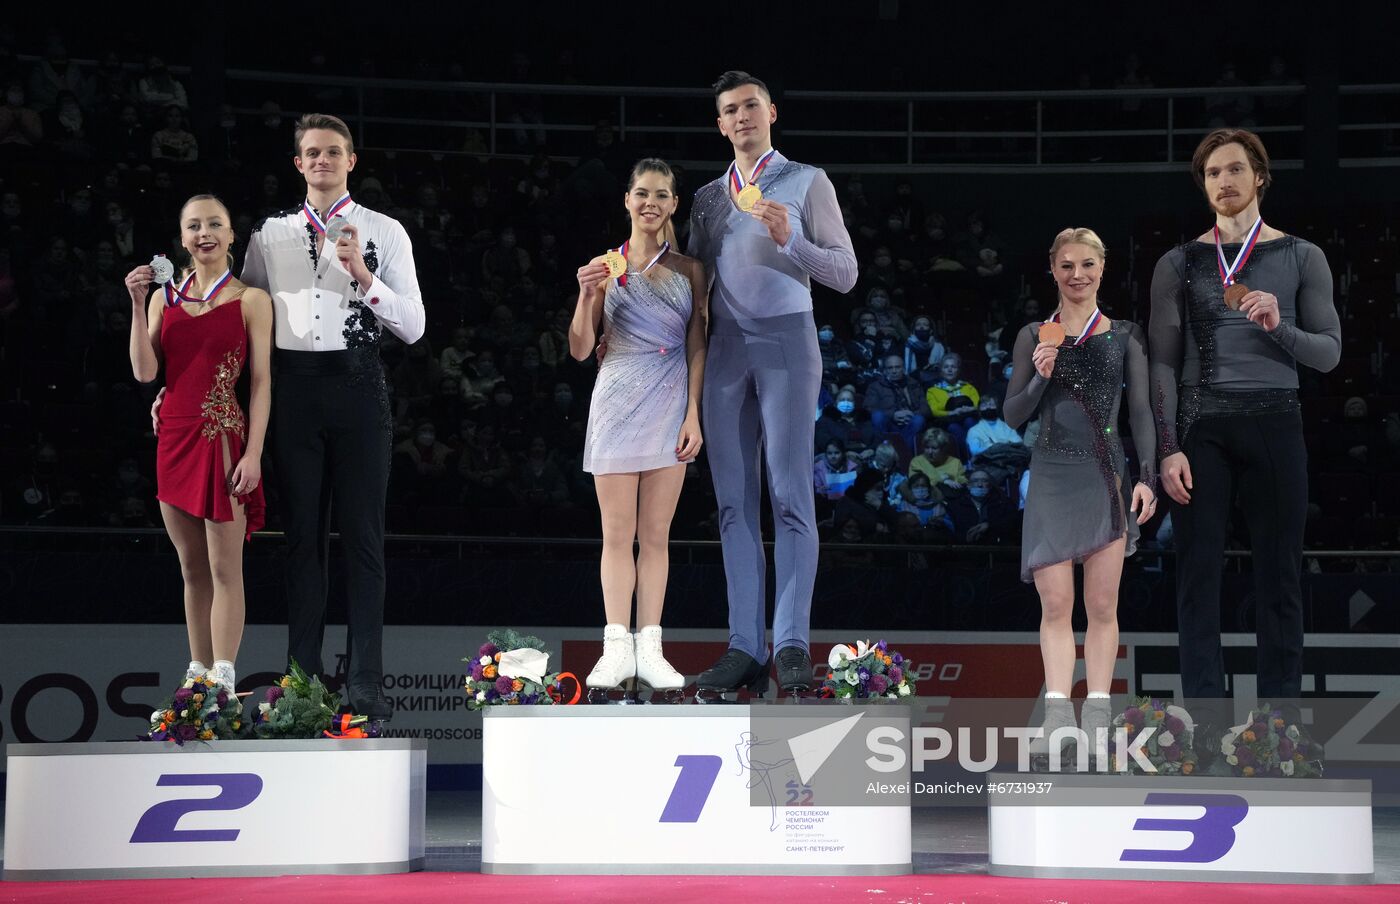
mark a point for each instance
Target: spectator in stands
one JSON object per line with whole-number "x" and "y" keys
{"x": 936, "y": 460}
{"x": 455, "y": 355}
{"x": 990, "y": 430}
{"x": 506, "y": 259}
{"x": 934, "y": 252}
{"x": 267, "y": 139}
{"x": 952, "y": 400}
{"x": 127, "y": 139}
{"x": 55, "y": 76}
{"x": 862, "y": 349}
{"x": 421, "y": 462}
{"x": 174, "y": 142}
{"x": 505, "y": 331}
{"x": 974, "y": 238}
{"x": 887, "y": 317}
{"x": 121, "y": 232}
{"x": 882, "y": 272}
{"x": 886, "y": 465}
{"x": 416, "y": 379}
{"x": 1280, "y": 108}
{"x": 842, "y": 421}
{"x": 553, "y": 343}
{"x": 896, "y": 403}
{"x": 21, "y": 129}
{"x": 1348, "y": 446}
{"x": 983, "y": 514}
{"x": 68, "y": 130}
{"x": 833, "y": 472}
{"x": 479, "y": 377}
{"x": 923, "y": 352}
{"x": 866, "y": 504}
{"x": 538, "y": 482}
{"x": 836, "y": 360}
{"x": 485, "y": 467}
{"x": 1232, "y": 107}
{"x": 509, "y": 416}
{"x": 158, "y": 89}
{"x": 111, "y": 84}
{"x": 563, "y": 420}
{"x": 998, "y": 378}
{"x": 919, "y": 497}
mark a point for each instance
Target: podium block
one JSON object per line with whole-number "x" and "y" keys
{"x": 222, "y": 808}
{"x": 1194, "y": 829}
{"x": 661, "y": 790}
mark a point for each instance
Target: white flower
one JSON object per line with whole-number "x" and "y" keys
{"x": 264, "y": 707}
{"x": 838, "y": 657}
{"x": 1227, "y": 748}
{"x": 184, "y": 713}
{"x": 1292, "y": 732}
{"x": 904, "y": 690}
{"x": 892, "y": 695}
{"x": 862, "y": 647}
{"x": 1233, "y": 760}
{"x": 481, "y": 696}
{"x": 1287, "y": 767}
{"x": 485, "y": 660}
{"x": 1184, "y": 716}
{"x": 852, "y": 677}
{"x": 1166, "y": 739}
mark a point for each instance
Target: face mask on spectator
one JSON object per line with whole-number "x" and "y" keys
{"x": 826, "y": 335}
{"x": 870, "y": 331}
{"x": 989, "y": 414}
{"x": 923, "y": 333}
{"x": 845, "y": 406}
{"x": 874, "y": 499}
{"x": 921, "y": 494}
{"x": 426, "y": 438}
{"x": 979, "y": 492}
{"x": 1006, "y": 372}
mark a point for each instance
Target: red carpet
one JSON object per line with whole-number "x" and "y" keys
{"x": 461, "y": 887}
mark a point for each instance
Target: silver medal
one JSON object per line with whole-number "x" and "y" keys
{"x": 164, "y": 269}
{"x": 335, "y": 230}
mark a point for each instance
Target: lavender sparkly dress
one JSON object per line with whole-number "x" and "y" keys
{"x": 639, "y": 399}
{"x": 1079, "y": 496}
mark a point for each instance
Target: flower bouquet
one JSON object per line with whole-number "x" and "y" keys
{"x": 863, "y": 672}
{"x": 509, "y": 670}
{"x": 201, "y": 710}
{"x": 297, "y": 706}
{"x": 1267, "y": 744}
{"x": 1170, "y": 748}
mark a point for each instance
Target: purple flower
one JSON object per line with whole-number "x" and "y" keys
{"x": 1174, "y": 725}
{"x": 529, "y": 699}
{"x": 184, "y": 694}
{"x": 1259, "y": 728}
{"x": 898, "y": 659}
{"x": 1304, "y": 748}
{"x": 503, "y": 685}
{"x": 861, "y": 692}
{"x": 1244, "y": 755}
{"x": 878, "y": 684}
{"x": 222, "y": 699}
{"x": 1285, "y": 749}
{"x": 491, "y": 695}
{"x": 274, "y": 694}
{"x": 881, "y": 646}
{"x": 1172, "y": 753}
{"x": 896, "y": 674}
{"x": 476, "y": 670}
{"x": 863, "y": 674}
{"x": 186, "y": 732}
{"x": 1134, "y": 716}
{"x": 487, "y": 649}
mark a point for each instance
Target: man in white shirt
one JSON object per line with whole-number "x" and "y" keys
{"x": 990, "y": 430}
{"x": 338, "y": 274}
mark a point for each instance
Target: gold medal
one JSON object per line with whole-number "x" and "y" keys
{"x": 617, "y": 264}
{"x": 750, "y": 196}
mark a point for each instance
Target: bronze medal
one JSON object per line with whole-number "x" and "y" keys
{"x": 1234, "y": 294}
{"x": 1052, "y": 332}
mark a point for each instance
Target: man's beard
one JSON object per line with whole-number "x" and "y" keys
{"x": 1229, "y": 207}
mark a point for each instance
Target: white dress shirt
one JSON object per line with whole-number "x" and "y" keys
{"x": 317, "y": 306}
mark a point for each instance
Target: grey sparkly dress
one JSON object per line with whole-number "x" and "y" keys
{"x": 1079, "y": 496}
{"x": 639, "y": 399}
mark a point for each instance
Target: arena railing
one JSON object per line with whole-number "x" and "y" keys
{"x": 1079, "y": 130}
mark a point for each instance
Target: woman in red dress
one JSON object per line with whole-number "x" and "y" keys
{"x": 203, "y": 326}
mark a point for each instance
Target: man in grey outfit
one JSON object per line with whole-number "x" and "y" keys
{"x": 763, "y": 375}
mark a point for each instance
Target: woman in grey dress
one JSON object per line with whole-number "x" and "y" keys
{"x": 644, "y": 422}
{"x": 1079, "y": 509}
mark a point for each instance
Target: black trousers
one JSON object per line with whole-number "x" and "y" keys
{"x": 1261, "y": 458}
{"x": 331, "y": 442}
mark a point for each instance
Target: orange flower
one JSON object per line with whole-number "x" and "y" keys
{"x": 1188, "y": 768}
{"x": 1249, "y": 770}
{"x": 489, "y": 672}
{"x": 1158, "y": 715}
{"x": 206, "y": 735}
{"x": 497, "y": 657}
{"x": 516, "y": 684}
{"x": 829, "y": 676}
{"x": 1278, "y": 723}
{"x": 1298, "y": 758}
{"x": 1248, "y": 737}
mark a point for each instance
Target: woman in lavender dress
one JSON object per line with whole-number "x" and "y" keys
{"x": 1081, "y": 506}
{"x": 644, "y": 422}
